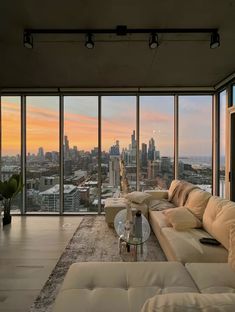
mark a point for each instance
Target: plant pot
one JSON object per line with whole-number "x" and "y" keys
{"x": 6, "y": 219}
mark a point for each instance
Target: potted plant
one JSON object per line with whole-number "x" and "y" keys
{"x": 8, "y": 191}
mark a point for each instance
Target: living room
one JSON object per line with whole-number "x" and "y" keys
{"x": 108, "y": 111}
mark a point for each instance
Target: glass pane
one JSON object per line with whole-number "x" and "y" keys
{"x": 118, "y": 144}
{"x": 11, "y": 141}
{"x": 80, "y": 153}
{"x": 195, "y": 140}
{"x": 42, "y": 160}
{"x": 222, "y": 110}
{"x": 156, "y": 141}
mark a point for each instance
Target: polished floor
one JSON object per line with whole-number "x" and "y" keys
{"x": 29, "y": 249}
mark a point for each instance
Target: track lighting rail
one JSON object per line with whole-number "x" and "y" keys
{"x": 121, "y": 30}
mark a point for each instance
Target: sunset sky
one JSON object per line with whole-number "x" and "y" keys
{"x": 118, "y": 122}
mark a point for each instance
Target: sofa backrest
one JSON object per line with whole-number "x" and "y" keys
{"x": 197, "y": 201}
{"x": 218, "y": 217}
{"x": 180, "y": 192}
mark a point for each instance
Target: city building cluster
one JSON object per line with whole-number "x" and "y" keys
{"x": 81, "y": 174}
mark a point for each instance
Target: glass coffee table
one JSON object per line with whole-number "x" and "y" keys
{"x": 127, "y": 237}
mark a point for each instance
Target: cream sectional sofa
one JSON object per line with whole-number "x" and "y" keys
{"x": 126, "y": 287}
{"x": 197, "y": 278}
{"x": 216, "y": 214}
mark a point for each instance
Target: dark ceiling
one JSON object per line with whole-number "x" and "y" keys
{"x": 63, "y": 61}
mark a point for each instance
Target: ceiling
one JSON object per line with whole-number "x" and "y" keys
{"x": 63, "y": 61}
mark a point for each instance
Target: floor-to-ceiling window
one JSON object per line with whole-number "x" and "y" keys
{"x": 195, "y": 140}
{"x": 222, "y": 126}
{"x": 156, "y": 141}
{"x": 42, "y": 154}
{"x": 80, "y": 153}
{"x": 118, "y": 144}
{"x": 11, "y": 141}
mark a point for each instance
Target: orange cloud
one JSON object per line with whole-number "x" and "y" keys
{"x": 10, "y": 128}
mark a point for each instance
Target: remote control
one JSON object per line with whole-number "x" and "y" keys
{"x": 209, "y": 241}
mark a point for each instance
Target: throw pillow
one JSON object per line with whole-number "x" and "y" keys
{"x": 172, "y": 188}
{"x": 197, "y": 201}
{"x": 182, "y": 219}
{"x": 190, "y": 302}
{"x": 231, "y": 255}
{"x": 181, "y": 193}
{"x": 137, "y": 197}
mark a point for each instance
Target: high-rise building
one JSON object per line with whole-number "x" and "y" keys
{"x": 40, "y": 154}
{"x": 151, "y": 149}
{"x": 165, "y": 164}
{"x": 51, "y": 198}
{"x": 114, "y": 171}
{"x": 154, "y": 168}
{"x": 156, "y": 155}
{"x": 46, "y": 182}
{"x": 67, "y": 167}
{"x": 133, "y": 140}
{"x": 114, "y": 149}
{"x": 144, "y": 155}
{"x": 66, "y": 147}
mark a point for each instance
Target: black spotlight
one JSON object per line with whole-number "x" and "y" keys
{"x": 89, "y": 44}
{"x": 153, "y": 41}
{"x": 28, "y": 40}
{"x": 215, "y": 40}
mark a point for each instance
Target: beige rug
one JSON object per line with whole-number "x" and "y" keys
{"x": 92, "y": 241}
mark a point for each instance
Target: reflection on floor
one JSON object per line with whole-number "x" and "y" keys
{"x": 29, "y": 249}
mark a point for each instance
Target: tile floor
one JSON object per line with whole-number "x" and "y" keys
{"x": 29, "y": 250}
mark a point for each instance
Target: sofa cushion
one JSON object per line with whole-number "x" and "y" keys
{"x": 119, "y": 286}
{"x": 218, "y": 217}
{"x": 182, "y": 219}
{"x": 231, "y": 257}
{"x": 159, "y": 219}
{"x": 181, "y": 192}
{"x": 137, "y": 197}
{"x": 160, "y": 204}
{"x": 190, "y": 302}
{"x": 184, "y": 246}
{"x": 197, "y": 201}
{"x": 212, "y": 277}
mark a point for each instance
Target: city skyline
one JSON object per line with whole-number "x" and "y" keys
{"x": 118, "y": 120}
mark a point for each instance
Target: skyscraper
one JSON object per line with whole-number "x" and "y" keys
{"x": 40, "y": 153}
{"x": 114, "y": 171}
{"x": 151, "y": 149}
{"x": 133, "y": 140}
{"x": 144, "y": 156}
{"x": 114, "y": 149}
{"x": 66, "y": 147}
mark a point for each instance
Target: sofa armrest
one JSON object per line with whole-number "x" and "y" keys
{"x": 157, "y": 194}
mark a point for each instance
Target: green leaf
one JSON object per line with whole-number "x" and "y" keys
{"x": 12, "y": 185}
{"x": 10, "y": 188}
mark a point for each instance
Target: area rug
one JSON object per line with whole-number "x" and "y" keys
{"x": 92, "y": 241}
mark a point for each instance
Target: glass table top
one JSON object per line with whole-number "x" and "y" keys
{"x": 126, "y": 232}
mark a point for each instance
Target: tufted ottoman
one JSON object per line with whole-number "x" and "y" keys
{"x": 112, "y": 207}
{"x": 119, "y": 286}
